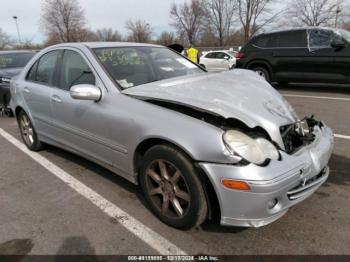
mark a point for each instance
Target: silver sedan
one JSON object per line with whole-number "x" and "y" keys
{"x": 199, "y": 145}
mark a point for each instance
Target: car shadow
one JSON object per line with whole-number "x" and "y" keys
{"x": 99, "y": 170}
{"x": 214, "y": 226}
{"x": 307, "y": 87}
{"x": 340, "y": 172}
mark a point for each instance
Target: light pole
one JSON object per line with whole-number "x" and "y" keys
{"x": 337, "y": 12}
{"x": 19, "y": 35}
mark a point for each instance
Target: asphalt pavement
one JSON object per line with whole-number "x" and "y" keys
{"x": 69, "y": 205}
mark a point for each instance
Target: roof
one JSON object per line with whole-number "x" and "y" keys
{"x": 104, "y": 44}
{"x": 298, "y": 29}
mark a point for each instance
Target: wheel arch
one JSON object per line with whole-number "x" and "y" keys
{"x": 214, "y": 212}
{"x": 18, "y": 110}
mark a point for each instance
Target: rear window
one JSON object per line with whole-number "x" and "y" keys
{"x": 262, "y": 41}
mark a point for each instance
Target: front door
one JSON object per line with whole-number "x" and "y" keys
{"x": 342, "y": 53}
{"x": 321, "y": 57}
{"x": 80, "y": 124}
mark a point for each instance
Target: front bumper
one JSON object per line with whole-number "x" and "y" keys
{"x": 284, "y": 183}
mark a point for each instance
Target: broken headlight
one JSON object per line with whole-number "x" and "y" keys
{"x": 256, "y": 150}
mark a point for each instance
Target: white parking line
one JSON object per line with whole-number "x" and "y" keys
{"x": 150, "y": 237}
{"x": 318, "y": 97}
{"x": 342, "y": 136}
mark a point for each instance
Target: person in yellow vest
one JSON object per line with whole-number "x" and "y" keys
{"x": 192, "y": 54}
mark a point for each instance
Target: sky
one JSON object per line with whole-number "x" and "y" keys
{"x": 99, "y": 14}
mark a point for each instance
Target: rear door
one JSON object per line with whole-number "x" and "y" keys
{"x": 289, "y": 50}
{"x": 37, "y": 89}
{"x": 209, "y": 61}
{"x": 222, "y": 61}
{"x": 80, "y": 124}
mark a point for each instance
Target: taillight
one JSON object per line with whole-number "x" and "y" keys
{"x": 239, "y": 55}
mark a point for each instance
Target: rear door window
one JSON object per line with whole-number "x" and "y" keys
{"x": 45, "y": 70}
{"x": 32, "y": 72}
{"x": 210, "y": 55}
{"x": 220, "y": 55}
{"x": 320, "y": 38}
{"x": 287, "y": 39}
{"x": 292, "y": 39}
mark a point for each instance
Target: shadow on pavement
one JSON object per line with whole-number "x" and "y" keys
{"x": 77, "y": 245}
{"x": 340, "y": 171}
{"x": 99, "y": 170}
{"x": 16, "y": 247}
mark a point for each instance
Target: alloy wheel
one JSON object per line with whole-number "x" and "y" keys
{"x": 167, "y": 189}
{"x": 27, "y": 130}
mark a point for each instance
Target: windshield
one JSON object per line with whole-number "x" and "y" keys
{"x": 133, "y": 66}
{"x": 12, "y": 60}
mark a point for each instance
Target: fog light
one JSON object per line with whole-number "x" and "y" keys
{"x": 272, "y": 203}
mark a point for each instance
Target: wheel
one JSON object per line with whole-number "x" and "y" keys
{"x": 28, "y": 133}
{"x": 171, "y": 187}
{"x": 263, "y": 72}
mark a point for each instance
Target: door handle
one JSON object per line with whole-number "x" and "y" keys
{"x": 26, "y": 90}
{"x": 56, "y": 99}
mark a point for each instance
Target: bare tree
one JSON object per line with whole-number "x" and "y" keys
{"x": 219, "y": 17}
{"x": 63, "y": 20}
{"x": 108, "y": 35}
{"x": 4, "y": 39}
{"x": 188, "y": 19}
{"x": 315, "y": 12}
{"x": 254, "y": 15}
{"x": 166, "y": 38}
{"x": 139, "y": 31}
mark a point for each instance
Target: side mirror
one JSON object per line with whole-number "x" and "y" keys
{"x": 226, "y": 57}
{"x": 85, "y": 92}
{"x": 336, "y": 44}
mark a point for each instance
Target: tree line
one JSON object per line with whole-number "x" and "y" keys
{"x": 214, "y": 23}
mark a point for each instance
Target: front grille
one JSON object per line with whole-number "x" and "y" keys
{"x": 308, "y": 185}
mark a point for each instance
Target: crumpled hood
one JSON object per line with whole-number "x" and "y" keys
{"x": 239, "y": 94}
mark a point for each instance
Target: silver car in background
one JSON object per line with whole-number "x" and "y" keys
{"x": 198, "y": 144}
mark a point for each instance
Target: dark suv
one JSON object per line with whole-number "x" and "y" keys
{"x": 319, "y": 55}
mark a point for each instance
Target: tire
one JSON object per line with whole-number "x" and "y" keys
{"x": 176, "y": 189}
{"x": 263, "y": 72}
{"x": 28, "y": 133}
